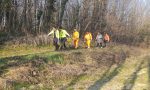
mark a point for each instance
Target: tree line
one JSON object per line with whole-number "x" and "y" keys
{"x": 36, "y": 17}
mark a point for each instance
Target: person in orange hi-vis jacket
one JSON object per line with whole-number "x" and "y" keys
{"x": 75, "y": 38}
{"x": 87, "y": 39}
{"x": 106, "y": 39}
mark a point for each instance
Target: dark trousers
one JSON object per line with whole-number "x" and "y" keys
{"x": 99, "y": 44}
{"x": 55, "y": 43}
{"x": 105, "y": 43}
{"x": 63, "y": 43}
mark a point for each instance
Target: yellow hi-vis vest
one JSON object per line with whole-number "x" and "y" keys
{"x": 63, "y": 33}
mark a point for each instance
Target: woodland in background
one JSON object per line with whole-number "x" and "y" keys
{"x": 29, "y": 21}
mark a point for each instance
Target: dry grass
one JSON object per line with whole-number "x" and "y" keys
{"x": 80, "y": 69}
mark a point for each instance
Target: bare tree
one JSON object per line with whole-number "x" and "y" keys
{"x": 120, "y": 18}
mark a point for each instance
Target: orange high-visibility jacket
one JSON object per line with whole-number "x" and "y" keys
{"x": 106, "y": 37}
{"x": 75, "y": 35}
{"x": 88, "y": 36}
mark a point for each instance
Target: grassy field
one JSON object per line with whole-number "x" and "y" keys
{"x": 41, "y": 68}
{"x": 18, "y": 50}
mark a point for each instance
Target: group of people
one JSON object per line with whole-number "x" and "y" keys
{"x": 60, "y": 38}
{"x": 102, "y": 39}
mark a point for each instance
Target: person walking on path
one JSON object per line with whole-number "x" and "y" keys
{"x": 99, "y": 39}
{"x": 55, "y": 33}
{"x": 87, "y": 39}
{"x": 63, "y": 38}
{"x": 75, "y": 38}
{"x": 106, "y": 39}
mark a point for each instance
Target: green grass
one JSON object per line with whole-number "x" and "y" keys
{"x": 19, "y": 50}
{"x": 23, "y": 53}
{"x": 18, "y": 86}
{"x": 77, "y": 79}
{"x": 46, "y": 57}
{"x": 57, "y": 58}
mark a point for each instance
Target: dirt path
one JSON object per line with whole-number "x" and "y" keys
{"x": 133, "y": 76}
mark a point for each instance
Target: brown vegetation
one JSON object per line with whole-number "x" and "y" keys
{"x": 39, "y": 70}
{"x": 126, "y": 21}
